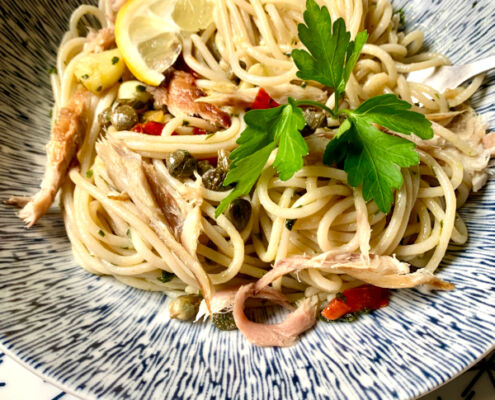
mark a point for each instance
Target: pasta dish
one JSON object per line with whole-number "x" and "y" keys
{"x": 234, "y": 153}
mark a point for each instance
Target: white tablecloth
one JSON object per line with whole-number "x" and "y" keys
{"x": 18, "y": 383}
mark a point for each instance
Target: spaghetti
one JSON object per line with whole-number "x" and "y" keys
{"x": 315, "y": 212}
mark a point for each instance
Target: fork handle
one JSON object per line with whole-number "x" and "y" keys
{"x": 478, "y": 67}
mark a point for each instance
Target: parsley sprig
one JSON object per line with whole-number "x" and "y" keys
{"x": 372, "y": 158}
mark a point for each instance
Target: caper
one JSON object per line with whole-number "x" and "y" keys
{"x": 124, "y": 118}
{"x": 105, "y": 117}
{"x": 213, "y": 179}
{"x": 185, "y": 307}
{"x": 224, "y": 321}
{"x": 203, "y": 166}
{"x": 240, "y": 213}
{"x": 181, "y": 164}
{"x": 314, "y": 119}
{"x": 138, "y": 106}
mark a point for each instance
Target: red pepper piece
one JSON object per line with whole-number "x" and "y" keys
{"x": 356, "y": 299}
{"x": 153, "y": 128}
{"x": 263, "y": 101}
{"x": 137, "y": 128}
{"x": 198, "y": 131}
{"x": 150, "y": 128}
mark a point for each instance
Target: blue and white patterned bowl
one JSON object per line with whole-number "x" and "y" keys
{"x": 100, "y": 339}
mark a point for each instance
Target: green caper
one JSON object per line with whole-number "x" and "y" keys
{"x": 224, "y": 321}
{"x": 240, "y": 213}
{"x": 213, "y": 179}
{"x": 138, "y": 105}
{"x": 314, "y": 119}
{"x": 203, "y": 166}
{"x": 181, "y": 164}
{"x": 124, "y": 118}
{"x": 104, "y": 118}
{"x": 184, "y": 308}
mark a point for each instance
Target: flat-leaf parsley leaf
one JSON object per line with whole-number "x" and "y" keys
{"x": 265, "y": 130}
{"x": 332, "y": 56}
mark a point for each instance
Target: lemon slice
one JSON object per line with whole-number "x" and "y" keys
{"x": 147, "y": 33}
{"x": 193, "y": 15}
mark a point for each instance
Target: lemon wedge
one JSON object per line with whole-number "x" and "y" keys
{"x": 147, "y": 33}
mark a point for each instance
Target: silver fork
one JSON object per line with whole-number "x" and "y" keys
{"x": 449, "y": 77}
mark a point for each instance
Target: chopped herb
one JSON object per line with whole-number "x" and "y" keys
{"x": 52, "y": 70}
{"x": 89, "y": 173}
{"x": 437, "y": 95}
{"x": 341, "y": 296}
{"x": 101, "y": 233}
{"x": 289, "y": 224}
{"x": 475, "y": 3}
{"x": 166, "y": 277}
{"x": 50, "y": 113}
{"x": 128, "y": 233}
{"x": 402, "y": 18}
{"x": 85, "y": 76}
{"x": 210, "y": 135}
{"x": 441, "y": 223}
{"x": 115, "y": 60}
{"x": 185, "y": 123}
{"x": 141, "y": 88}
{"x": 304, "y": 84}
{"x": 98, "y": 89}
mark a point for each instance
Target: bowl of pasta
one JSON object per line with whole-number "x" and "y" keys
{"x": 246, "y": 199}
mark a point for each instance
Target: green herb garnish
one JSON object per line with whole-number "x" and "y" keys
{"x": 289, "y": 224}
{"x": 89, "y": 173}
{"x": 402, "y": 18}
{"x": 101, "y": 233}
{"x": 52, "y": 70}
{"x": 115, "y": 60}
{"x": 371, "y": 157}
{"x": 166, "y": 277}
{"x": 141, "y": 88}
{"x": 266, "y": 129}
{"x": 341, "y": 296}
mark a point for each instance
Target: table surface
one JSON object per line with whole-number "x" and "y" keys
{"x": 18, "y": 383}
